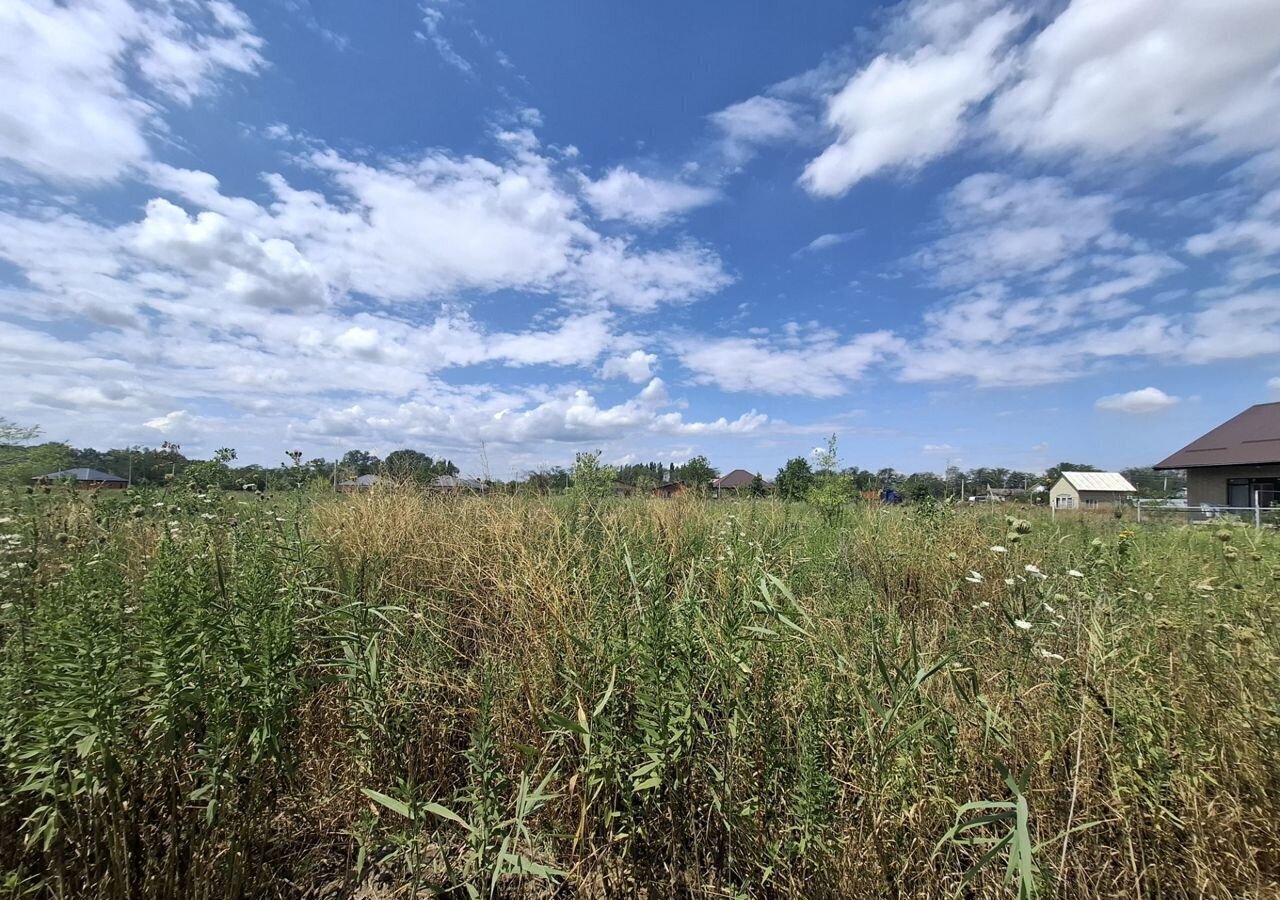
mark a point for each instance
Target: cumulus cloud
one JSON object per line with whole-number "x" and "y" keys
{"x": 268, "y": 273}
{"x": 636, "y": 366}
{"x": 68, "y": 71}
{"x": 1144, "y": 400}
{"x": 1109, "y": 77}
{"x": 900, "y": 112}
{"x": 624, "y": 194}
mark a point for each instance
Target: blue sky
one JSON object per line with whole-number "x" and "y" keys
{"x": 950, "y": 231}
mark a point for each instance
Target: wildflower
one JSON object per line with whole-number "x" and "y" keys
{"x": 1223, "y": 534}
{"x": 975, "y": 577}
{"x": 1022, "y": 624}
{"x": 1034, "y": 570}
{"x": 998, "y": 549}
{"x": 1048, "y": 655}
{"x": 5, "y": 520}
{"x": 1010, "y": 582}
{"x": 1230, "y": 552}
{"x": 1075, "y": 573}
{"x": 207, "y": 516}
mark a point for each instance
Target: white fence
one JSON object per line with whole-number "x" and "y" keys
{"x": 1265, "y": 511}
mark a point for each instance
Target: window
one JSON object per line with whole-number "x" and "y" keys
{"x": 1064, "y": 501}
{"x": 1241, "y": 491}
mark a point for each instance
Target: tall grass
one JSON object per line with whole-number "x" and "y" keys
{"x": 395, "y": 695}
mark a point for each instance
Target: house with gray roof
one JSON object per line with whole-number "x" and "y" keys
{"x": 84, "y": 478}
{"x": 1076, "y": 490}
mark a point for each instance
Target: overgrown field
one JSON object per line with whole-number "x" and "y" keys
{"x": 380, "y": 695}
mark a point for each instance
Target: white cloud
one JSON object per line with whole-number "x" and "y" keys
{"x": 754, "y": 122}
{"x": 172, "y": 422}
{"x": 1274, "y": 383}
{"x": 900, "y": 112}
{"x": 827, "y": 241}
{"x": 637, "y": 366}
{"x": 268, "y": 273}
{"x": 624, "y": 194}
{"x": 67, "y": 74}
{"x": 937, "y": 448}
{"x": 1001, "y": 226}
{"x": 1120, "y": 76}
{"x": 1144, "y": 400}
{"x": 1252, "y": 241}
{"x": 432, "y": 19}
{"x": 802, "y": 364}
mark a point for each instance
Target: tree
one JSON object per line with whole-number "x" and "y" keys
{"x": 20, "y": 463}
{"x": 591, "y": 481}
{"x": 794, "y": 479}
{"x": 758, "y": 487}
{"x": 832, "y": 489}
{"x": 698, "y": 472}
{"x": 1156, "y": 485}
{"x": 923, "y": 486}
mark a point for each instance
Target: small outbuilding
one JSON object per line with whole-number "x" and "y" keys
{"x": 358, "y": 485}
{"x": 455, "y": 484}
{"x": 1236, "y": 464}
{"x": 1077, "y": 490}
{"x": 85, "y": 479}
{"x": 669, "y": 489}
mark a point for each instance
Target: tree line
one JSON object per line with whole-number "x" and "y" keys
{"x": 21, "y": 460}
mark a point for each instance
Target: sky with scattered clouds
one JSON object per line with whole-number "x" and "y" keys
{"x": 950, "y": 231}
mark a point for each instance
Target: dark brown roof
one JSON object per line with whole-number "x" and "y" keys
{"x": 1250, "y": 439}
{"x": 738, "y": 478}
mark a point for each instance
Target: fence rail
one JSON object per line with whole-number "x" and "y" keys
{"x": 1157, "y": 511}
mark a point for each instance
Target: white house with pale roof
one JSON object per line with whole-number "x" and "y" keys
{"x": 1076, "y": 490}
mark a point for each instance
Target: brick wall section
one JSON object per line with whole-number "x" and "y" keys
{"x": 1209, "y": 484}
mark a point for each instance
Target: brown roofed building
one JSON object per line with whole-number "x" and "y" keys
{"x": 1235, "y": 463}
{"x": 737, "y": 481}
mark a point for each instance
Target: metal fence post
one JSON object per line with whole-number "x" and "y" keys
{"x": 1257, "y": 509}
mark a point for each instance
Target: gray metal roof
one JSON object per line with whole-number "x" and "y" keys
{"x": 454, "y": 481}
{"x": 1249, "y": 439}
{"x": 80, "y": 475}
{"x": 1099, "y": 481}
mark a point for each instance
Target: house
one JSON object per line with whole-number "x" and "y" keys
{"x": 85, "y": 479}
{"x": 358, "y": 485}
{"x": 1236, "y": 463}
{"x": 455, "y": 484}
{"x": 1085, "y": 489}
{"x": 621, "y": 489}
{"x": 739, "y": 480}
{"x": 669, "y": 489}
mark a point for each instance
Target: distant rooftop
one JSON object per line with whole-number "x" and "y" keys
{"x": 80, "y": 475}
{"x": 738, "y": 478}
{"x": 1099, "y": 481}
{"x": 1250, "y": 439}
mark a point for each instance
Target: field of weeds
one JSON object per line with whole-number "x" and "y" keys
{"x": 396, "y": 696}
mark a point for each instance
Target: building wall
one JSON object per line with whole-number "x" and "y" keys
{"x": 1104, "y": 498}
{"x": 1063, "y": 488}
{"x": 1209, "y": 484}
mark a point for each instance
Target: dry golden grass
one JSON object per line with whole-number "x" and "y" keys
{"x": 390, "y": 693}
